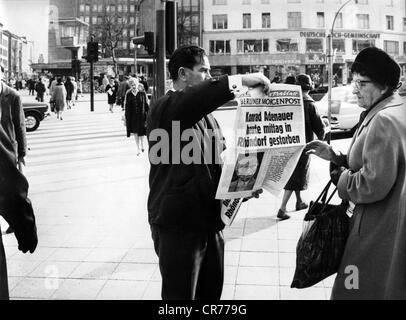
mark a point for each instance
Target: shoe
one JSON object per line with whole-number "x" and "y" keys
{"x": 282, "y": 215}
{"x": 301, "y": 206}
{"x": 9, "y": 230}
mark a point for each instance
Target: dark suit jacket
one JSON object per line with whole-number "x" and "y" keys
{"x": 13, "y": 122}
{"x": 15, "y": 206}
{"x": 183, "y": 195}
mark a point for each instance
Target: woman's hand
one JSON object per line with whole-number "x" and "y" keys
{"x": 320, "y": 149}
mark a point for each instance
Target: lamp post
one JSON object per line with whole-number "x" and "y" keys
{"x": 330, "y": 56}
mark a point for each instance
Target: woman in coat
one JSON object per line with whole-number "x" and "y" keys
{"x": 111, "y": 90}
{"x": 373, "y": 178}
{"x": 59, "y": 98}
{"x": 70, "y": 88}
{"x": 313, "y": 125}
{"x": 136, "y": 109}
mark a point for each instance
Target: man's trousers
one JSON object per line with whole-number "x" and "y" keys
{"x": 191, "y": 263}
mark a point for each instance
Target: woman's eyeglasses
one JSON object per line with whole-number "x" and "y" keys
{"x": 358, "y": 84}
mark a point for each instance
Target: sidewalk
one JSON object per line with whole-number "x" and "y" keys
{"x": 89, "y": 191}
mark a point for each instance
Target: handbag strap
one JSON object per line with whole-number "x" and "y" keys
{"x": 323, "y": 197}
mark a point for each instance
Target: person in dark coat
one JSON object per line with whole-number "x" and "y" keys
{"x": 122, "y": 90}
{"x": 136, "y": 110}
{"x": 40, "y": 88}
{"x": 70, "y": 89}
{"x": 182, "y": 210}
{"x": 31, "y": 86}
{"x": 313, "y": 125}
{"x": 15, "y": 207}
{"x": 111, "y": 89}
{"x": 144, "y": 82}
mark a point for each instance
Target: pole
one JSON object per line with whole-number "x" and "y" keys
{"x": 91, "y": 83}
{"x": 330, "y": 81}
{"x": 330, "y": 65}
{"x": 160, "y": 49}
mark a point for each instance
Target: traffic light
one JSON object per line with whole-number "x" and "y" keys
{"x": 147, "y": 40}
{"x": 93, "y": 51}
{"x": 170, "y": 27}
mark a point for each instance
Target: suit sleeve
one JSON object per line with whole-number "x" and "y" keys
{"x": 193, "y": 103}
{"x": 316, "y": 122}
{"x": 19, "y": 126}
{"x": 378, "y": 174}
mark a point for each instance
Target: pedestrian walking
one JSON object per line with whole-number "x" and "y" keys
{"x": 69, "y": 92}
{"x": 111, "y": 90}
{"x": 31, "y": 86}
{"x": 59, "y": 98}
{"x": 182, "y": 210}
{"x": 372, "y": 177}
{"x": 15, "y": 207}
{"x": 313, "y": 125}
{"x": 40, "y": 89}
{"x": 122, "y": 90}
{"x": 75, "y": 90}
{"x": 136, "y": 109}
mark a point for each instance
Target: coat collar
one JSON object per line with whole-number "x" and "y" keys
{"x": 392, "y": 101}
{"x": 307, "y": 97}
{"x": 5, "y": 90}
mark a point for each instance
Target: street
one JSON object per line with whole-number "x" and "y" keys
{"x": 89, "y": 191}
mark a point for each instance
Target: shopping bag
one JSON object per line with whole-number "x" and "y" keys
{"x": 321, "y": 245}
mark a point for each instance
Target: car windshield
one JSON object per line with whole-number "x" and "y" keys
{"x": 343, "y": 94}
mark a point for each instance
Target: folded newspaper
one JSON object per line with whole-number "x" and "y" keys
{"x": 269, "y": 137}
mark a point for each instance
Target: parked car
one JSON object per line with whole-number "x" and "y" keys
{"x": 345, "y": 111}
{"x": 34, "y": 113}
{"x": 402, "y": 89}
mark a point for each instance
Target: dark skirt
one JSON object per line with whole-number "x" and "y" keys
{"x": 300, "y": 176}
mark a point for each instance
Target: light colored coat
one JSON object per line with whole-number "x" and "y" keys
{"x": 376, "y": 183}
{"x": 59, "y": 96}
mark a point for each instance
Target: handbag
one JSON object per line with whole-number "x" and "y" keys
{"x": 322, "y": 243}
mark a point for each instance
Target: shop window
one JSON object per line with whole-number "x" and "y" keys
{"x": 363, "y": 21}
{"x": 219, "y": 2}
{"x": 314, "y": 45}
{"x": 293, "y": 1}
{"x": 404, "y": 48}
{"x": 219, "y": 21}
{"x": 246, "y": 20}
{"x": 391, "y": 47}
{"x": 404, "y": 24}
{"x": 294, "y": 20}
{"x": 219, "y": 47}
{"x": 266, "y": 20}
{"x": 339, "y": 45}
{"x": 389, "y": 22}
{"x": 287, "y": 45}
{"x": 358, "y": 45}
{"x": 252, "y": 46}
{"x": 320, "y": 19}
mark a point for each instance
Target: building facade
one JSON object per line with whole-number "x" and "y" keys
{"x": 15, "y": 55}
{"x": 282, "y": 37}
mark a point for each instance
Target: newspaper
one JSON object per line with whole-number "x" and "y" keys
{"x": 269, "y": 139}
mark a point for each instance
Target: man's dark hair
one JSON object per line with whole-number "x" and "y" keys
{"x": 185, "y": 56}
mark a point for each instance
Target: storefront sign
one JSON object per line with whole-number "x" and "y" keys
{"x": 347, "y": 35}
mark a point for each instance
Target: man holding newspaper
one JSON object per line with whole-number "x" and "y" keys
{"x": 185, "y": 143}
